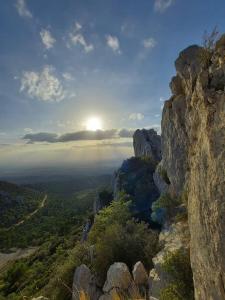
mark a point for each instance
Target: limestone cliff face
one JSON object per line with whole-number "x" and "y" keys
{"x": 147, "y": 143}
{"x": 193, "y": 155}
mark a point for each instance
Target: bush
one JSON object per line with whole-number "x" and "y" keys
{"x": 170, "y": 293}
{"x": 15, "y": 277}
{"x": 177, "y": 265}
{"x": 208, "y": 42}
{"x": 164, "y": 208}
{"x": 117, "y": 237}
{"x": 59, "y": 286}
{"x": 105, "y": 197}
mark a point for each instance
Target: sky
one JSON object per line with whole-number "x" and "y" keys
{"x": 65, "y": 62}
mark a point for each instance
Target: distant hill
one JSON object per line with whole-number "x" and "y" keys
{"x": 16, "y": 202}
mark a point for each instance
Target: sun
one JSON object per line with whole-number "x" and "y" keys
{"x": 94, "y": 123}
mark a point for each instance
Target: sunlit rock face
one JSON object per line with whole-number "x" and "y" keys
{"x": 193, "y": 155}
{"x": 147, "y": 143}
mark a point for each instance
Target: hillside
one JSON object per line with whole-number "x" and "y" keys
{"x": 47, "y": 237}
{"x": 17, "y": 202}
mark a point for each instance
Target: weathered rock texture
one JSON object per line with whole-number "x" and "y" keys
{"x": 139, "y": 273}
{"x": 84, "y": 282}
{"x": 147, "y": 143}
{"x": 193, "y": 147}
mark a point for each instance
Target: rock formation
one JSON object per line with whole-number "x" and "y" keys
{"x": 84, "y": 282}
{"x": 147, "y": 143}
{"x": 118, "y": 276}
{"x": 193, "y": 156}
{"x": 135, "y": 178}
{"x": 140, "y": 275}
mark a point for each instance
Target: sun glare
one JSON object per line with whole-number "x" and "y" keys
{"x": 94, "y": 124}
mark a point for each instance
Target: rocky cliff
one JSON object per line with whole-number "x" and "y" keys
{"x": 135, "y": 176}
{"x": 147, "y": 143}
{"x": 191, "y": 180}
{"x": 193, "y": 156}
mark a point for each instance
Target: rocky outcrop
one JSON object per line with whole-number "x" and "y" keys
{"x": 147, "y": 143}
{"x": 119, "y": 284}
{"x": 84, "y": 282}
{"x": 172, "y": 238}
{"x": 193, "y": 155}
{"x": 139, "y": 274}
{"x": 135, "y": 178}
{"x": 118, "y": 276}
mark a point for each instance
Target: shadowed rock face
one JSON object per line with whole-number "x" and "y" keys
{"x": 193, "y": 147}
{"x": 135, "y": 178}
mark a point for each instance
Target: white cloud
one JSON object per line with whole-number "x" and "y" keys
{"x": 47, "y": 38}
{"x": 42, "y": 85}
{"x": 161, "y": 99}
{"x": 149, "y": 43}
{"x": 67, "y": 76}
{"x": 162, "y": 5}
{"x": 136, "y": 116}
{"x": 113, "y": 43}
{"x": 78, "y": 39}
{"x": 22, "y": 9}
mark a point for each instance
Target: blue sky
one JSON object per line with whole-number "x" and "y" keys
{"x": 62, "y": 62}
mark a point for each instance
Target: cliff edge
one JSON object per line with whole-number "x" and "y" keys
{"x": 193, "y": 156}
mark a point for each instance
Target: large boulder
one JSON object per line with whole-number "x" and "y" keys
{"x": 139, "y": 274}
{"x": 147, "y": 143}
{"x": 84, "y": 282}
{"x": 118, "y": 276}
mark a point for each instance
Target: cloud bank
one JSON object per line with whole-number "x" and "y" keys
{"x": 84, "y": 135}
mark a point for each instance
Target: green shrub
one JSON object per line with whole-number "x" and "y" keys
{"x": 177, "y": 265}
{"x": 105, "y": 197}
{"x": 170, "y": 293}
{"x": 15, "y": 277}
{"x": 59, "y": 286}
{"x": 117, "y": 237}
{"x": 164, "y": 207}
